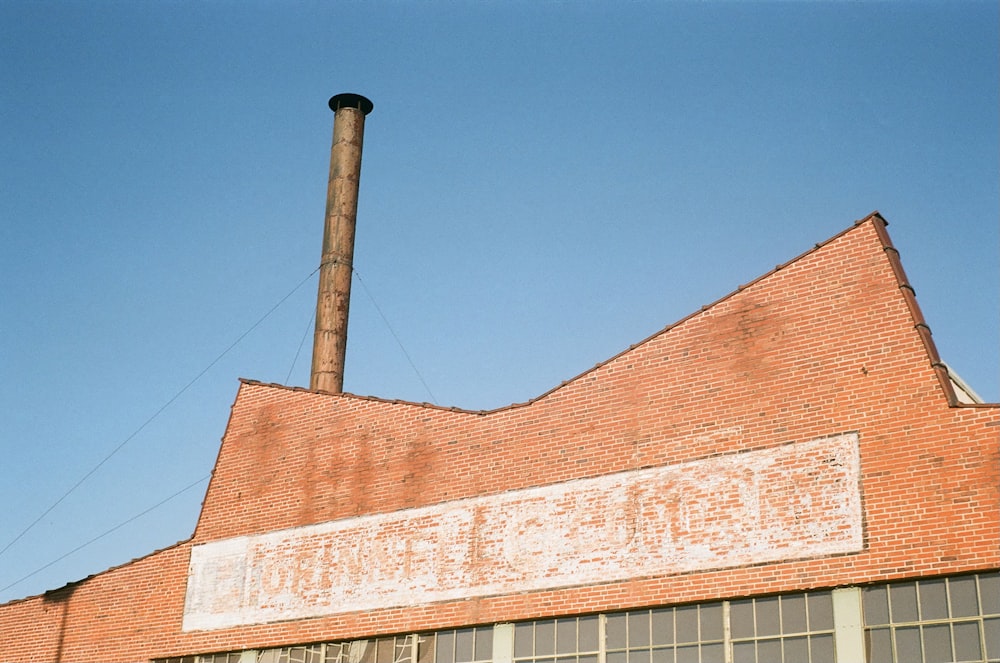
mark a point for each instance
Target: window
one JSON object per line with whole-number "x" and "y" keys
{"x": 685, "y": 634}
{"x": 792, "y": 628}
{"x": 569, "y": 640}
{"x": 938, "y": 620}
{"x": 304, "y": 654}
{"x": 930, "y": 621}
{"x": 795, "y": 628}
{"x": 465, "y": 645}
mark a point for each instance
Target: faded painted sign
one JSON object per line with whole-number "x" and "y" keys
{"x": 789, "y": 502}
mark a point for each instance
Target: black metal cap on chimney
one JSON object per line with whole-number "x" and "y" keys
{"x": 350, "y": 100}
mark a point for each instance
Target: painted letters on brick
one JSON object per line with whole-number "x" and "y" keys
{"x": 789, "y": 502}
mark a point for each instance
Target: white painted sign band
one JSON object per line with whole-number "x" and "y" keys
{"x": 789, "y": 502}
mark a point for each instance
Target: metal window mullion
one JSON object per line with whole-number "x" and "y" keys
{"x": 781, "y": 629}
{"x": 700, "y": 639}
{"x": 920, "y": 618}
{"x": 951, "y": 624}
{"x": 602, "y": 646}
{"x": 727, "y": 635}
{"x": 673, "y": 624}
{"x": 809, "y": 630}
{"x": 980, "y": 625}
{"x": 982, "y": 615}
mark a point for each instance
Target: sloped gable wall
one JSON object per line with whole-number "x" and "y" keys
{"x": 821, "y": 346}
{"x": 817, "y": 364}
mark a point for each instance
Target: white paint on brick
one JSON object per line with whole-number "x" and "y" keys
{"x": 789, "y": 502}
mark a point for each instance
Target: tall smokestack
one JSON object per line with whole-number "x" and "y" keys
{"x": 330, "y": 340}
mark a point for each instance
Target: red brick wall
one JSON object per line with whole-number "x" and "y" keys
{"x": 824, "y": 345}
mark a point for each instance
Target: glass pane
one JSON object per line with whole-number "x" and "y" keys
{"x": 688, "y": 654}
{"x": 464, "y": 644}
{"x": 386, "y": 650}
{"x": 876, "y": 602}
{"x": 767, "y": 617}
{"x": 741, "y": 619}
{"x": 663, "y": 627}
{"x": 664, "y": 655}
{"x": 638, "y": 628}
{"x": 989, "y": 593}
{"x": 365, "y": 650}
{"x": 687, "y": 623}
{"x": 591, "y": 658}
{"x": 710, "y": 616}
{"x": 879, "y": 646}
{"x": 639, "y": 656}
{"x": 967, "y": 647}
{"x": 484, "y": 644}
{"x": 565, "y": 636}
{"x": 743, "y": 652}
{"x": 933, "y": 601}
{"x": 713, "y": 654}
{"x": 617, "y": 657}
{"x": 903, "y": 602}
{"x": 769, "y": 651}
{"x": 426, "y": 645}
{"x": 614, "y": 634}
{"x": 545, "y": 637}
{"x": 446, "y": 646}
{"x": 796, "y": 649}
{"x": 820, "y": 611}
{"x": 589, "y": 631}
{"x": 937, "y": 644}
{"x": 793, "y": 614}
{"x": 821, "y": 647}
{"x": 991, "y": 632}
{"x": 908, "y": 644}
{"x": 963, "y": 596}
{"x": 333, "y": 651}
{"x": 523, "y": 644}
{"x": 400, "y": 649}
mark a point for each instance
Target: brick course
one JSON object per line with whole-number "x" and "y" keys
{"x": 829, "y": 343}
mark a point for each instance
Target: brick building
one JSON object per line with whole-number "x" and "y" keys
{"x": 789, "y": 474}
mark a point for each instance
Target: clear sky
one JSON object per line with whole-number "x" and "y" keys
{"x": 543, "y": 185}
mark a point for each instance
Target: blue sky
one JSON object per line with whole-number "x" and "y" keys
{"x": 543, "y": 185}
